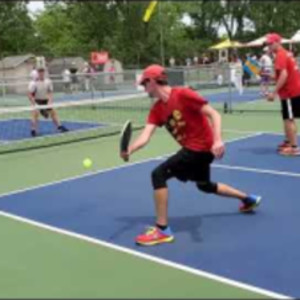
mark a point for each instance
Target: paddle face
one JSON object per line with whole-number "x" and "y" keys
{"x": 125, "y": 136}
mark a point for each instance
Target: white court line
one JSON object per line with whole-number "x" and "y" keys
{"x": 148, "y": 257}
{"x": 254, "y": 170}
{"x": 246, "y": 137}
{"x": 130, "y": 251}
{"x": 253, "y": 132}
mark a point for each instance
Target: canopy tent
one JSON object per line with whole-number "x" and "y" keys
{"x": 296, "y": 37}
{"x": 223, "y": 48}
{"x": 260, "y": 41}
{"x": 225, "y": 45}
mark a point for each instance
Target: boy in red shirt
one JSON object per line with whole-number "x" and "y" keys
{"x": 287, "y": 78}
{"x": 196, "y": 126}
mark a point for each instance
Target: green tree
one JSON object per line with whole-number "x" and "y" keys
{"x": 16, "y": 28}
{"x": 77, "y": 28}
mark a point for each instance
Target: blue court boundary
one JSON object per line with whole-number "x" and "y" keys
{"x": 11, "y": 132}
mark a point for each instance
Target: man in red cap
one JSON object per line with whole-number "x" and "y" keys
{"x": 288, "y": 88}
{"x": 196, "y": 126}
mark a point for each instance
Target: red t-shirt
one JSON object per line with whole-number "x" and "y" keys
{"x": 182, "y": 117}
{"x": 285, "y": 60}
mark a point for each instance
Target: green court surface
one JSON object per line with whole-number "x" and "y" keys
{"x": 40, "y": 263}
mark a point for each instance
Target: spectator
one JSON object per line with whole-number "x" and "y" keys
{"x": 88, "y": 76}
{"x": 188, "y": 61}
{"x": 112, "y": 71}
{"x": 172, "y": 61}
{"x": 205, "y": 59}
{"x": 195, "y": 60}
{"x": 74, "y": 77}
{"x": 66, "y": 75}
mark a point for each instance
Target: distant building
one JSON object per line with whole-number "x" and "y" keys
{"x": 15, "y": 72}
{"x": 17, "y": 66}
{"x": 58, "y": 65}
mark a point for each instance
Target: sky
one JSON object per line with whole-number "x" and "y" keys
{"x": 34, "y": 6}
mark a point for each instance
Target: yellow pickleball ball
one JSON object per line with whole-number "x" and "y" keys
{"x": 87, "y": 163}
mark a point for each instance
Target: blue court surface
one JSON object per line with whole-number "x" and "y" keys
{"x": 214, "y": 96}
{"x": 233, "y": 96}
{"x": 19, "y": 129}
{"x": 260, "y": 249}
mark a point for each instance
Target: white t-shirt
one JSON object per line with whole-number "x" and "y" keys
{"x": 66, "y": 75}
{"x": 266, "y": 62}
{"x": 220, "y": 79}
{"x": 41, "y": 88}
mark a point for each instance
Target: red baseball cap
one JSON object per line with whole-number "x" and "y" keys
{"x": 153, "y": 72}
{"x": 272, "y": 38}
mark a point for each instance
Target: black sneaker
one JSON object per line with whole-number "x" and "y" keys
{"x": 62, "y": 128}
{"x": 33, "y": 133}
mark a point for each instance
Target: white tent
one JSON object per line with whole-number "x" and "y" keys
{"x": 260, "y": 41}
{"x": 256, "y": 43}
{"x": 296, "y": 37}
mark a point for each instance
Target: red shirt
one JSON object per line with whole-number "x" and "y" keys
{"x": 182, "y": 117}
{"x": 285, "y": 60}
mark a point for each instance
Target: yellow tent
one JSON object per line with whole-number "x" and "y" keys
{"x": 226, "y": 44}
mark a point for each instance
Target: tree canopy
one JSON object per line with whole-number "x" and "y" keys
{"x": 68, "y": 28}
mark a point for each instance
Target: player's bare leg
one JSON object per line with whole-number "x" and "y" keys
{"x": 291, "y": 148}
{"x": 34, "y": 122}
{"x": 228, "y": 191}
{"x": 161, "y": 206}
{"x": 54, "y": 117}
{"x": 290, "y": 129}
{"x": 56, "y": 121}
{"x": 249, "y": 202}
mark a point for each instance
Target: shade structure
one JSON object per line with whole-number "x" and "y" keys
{"x": 226, "y": 44}
{"x": 260, "y": 41}
{"x": 296, "y": 37}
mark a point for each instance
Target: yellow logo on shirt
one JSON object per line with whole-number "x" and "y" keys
{"x": 177, "y": 115}
{"x": 176, "y": 125}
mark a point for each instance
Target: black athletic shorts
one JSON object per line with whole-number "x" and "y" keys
{"x": 43, "y": 112}
{"x": 290, "y": 108}
{"x": 189, "y": 165}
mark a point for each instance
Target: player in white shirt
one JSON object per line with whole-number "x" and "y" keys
{"x": 40, "y": 92}
{"x": 266, "y": 65}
